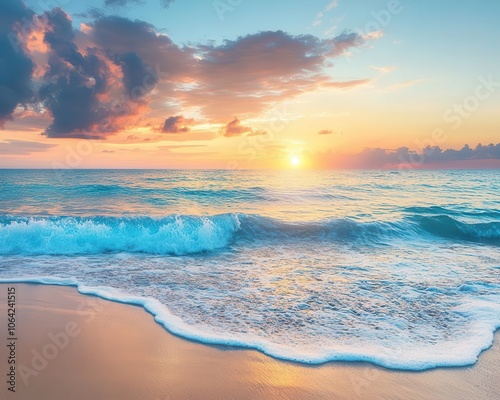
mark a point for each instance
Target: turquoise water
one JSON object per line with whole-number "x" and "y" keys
{"x": 401, "y": 269}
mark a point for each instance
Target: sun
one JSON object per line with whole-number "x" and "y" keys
{"x": 295, "y": 161}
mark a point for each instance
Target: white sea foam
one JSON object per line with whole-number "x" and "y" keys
{"x": 358, "y": 323}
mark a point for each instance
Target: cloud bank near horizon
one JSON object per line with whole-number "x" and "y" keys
{"x": 403, "y": 157}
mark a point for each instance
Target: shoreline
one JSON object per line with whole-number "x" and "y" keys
{"x": 109, "y": 340}
{"x": 176, "y": 326}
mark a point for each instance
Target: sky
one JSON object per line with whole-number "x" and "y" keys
{"x": 236, "y": 84}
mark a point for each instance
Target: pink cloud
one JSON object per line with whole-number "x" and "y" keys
{"x": 246, "y": 75}
{"x": 235, "y": 128}
{"x": 111, "y": 73}
{"x": 176, "y": 124}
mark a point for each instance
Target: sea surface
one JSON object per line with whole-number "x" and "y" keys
{"x": 398, "y": 268}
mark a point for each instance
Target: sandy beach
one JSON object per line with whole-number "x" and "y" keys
{"x": 72, "y": 346}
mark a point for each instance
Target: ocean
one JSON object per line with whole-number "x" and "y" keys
{"x": 397, "y": 268}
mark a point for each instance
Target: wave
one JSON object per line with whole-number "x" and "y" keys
{"x": 183, "y": 235}
{"x": 176, "y": 235}
{"x": 437, "y": 210}
{"x": 450, "y": 228}
{"x": 382, "y": 232}
{"x": 180, "y": 192}
{"x": 255, "y": 227}
{"x": 416, "y": 358}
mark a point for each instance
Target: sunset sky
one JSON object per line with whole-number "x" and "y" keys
{"x": 248, "y": 84}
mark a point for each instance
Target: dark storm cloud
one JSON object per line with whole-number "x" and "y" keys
{"x": 72, "y": 82}
{"x": 139, "y": 78}
{"x": 16, "y": 68}
{"x": 110, "y": 71}
{"x": 118, "y": 35}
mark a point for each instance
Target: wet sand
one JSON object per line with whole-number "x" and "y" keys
{"x": 71, "y": 347}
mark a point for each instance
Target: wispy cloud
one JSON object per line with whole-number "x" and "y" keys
{"x": 21, "y": 147}
{"x": 235, "y": 128}
{"x": 319, "y": 16}
{"x": 333, "y": 4}
{"x": 383, "y": 69}
{"x": 402, "y": 85}
{"x": 374, "y": 35}
{"x": 125, "y": 3}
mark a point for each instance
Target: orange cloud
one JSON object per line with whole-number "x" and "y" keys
{"x": 104, "y": 75}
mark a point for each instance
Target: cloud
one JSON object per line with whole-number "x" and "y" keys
{"x": 122, "y": 3}
{"x": 181, "y": 146}
{"x": 318, "y": 20}
{"x": 112, "y": 73}
{"x": 73, "y": 83}
{"x": 325, "y": 132}
{"x": 139, "y": 79}
{"x": 348, "y": 84}
{"x": 246, "y": 75}
{"x": 175, "y": 124}
{"x": 257, "y": 133}
{"x": 235, "y": 128}
{"x": 405, "y": 158}
{"x": 435, "y": 154}
{"x": 383, "y": 69}
{"x": 374, "y": 35}
{"x": 166, "y": 3}
{"x": 20, "y": 147}
{"x": 333, "y": 4}
{"x": 403, "y": 85}
{"x": 91, "y": 92}
{"x": 16, "y": 67}
{"x": 319, "y": 17}
{"x": 118, "y": 35}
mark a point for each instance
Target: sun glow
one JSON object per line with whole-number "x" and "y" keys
{"x": 295, "y": 161}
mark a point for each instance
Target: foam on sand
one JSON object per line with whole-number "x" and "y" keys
{"x": 403, "y": 356}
